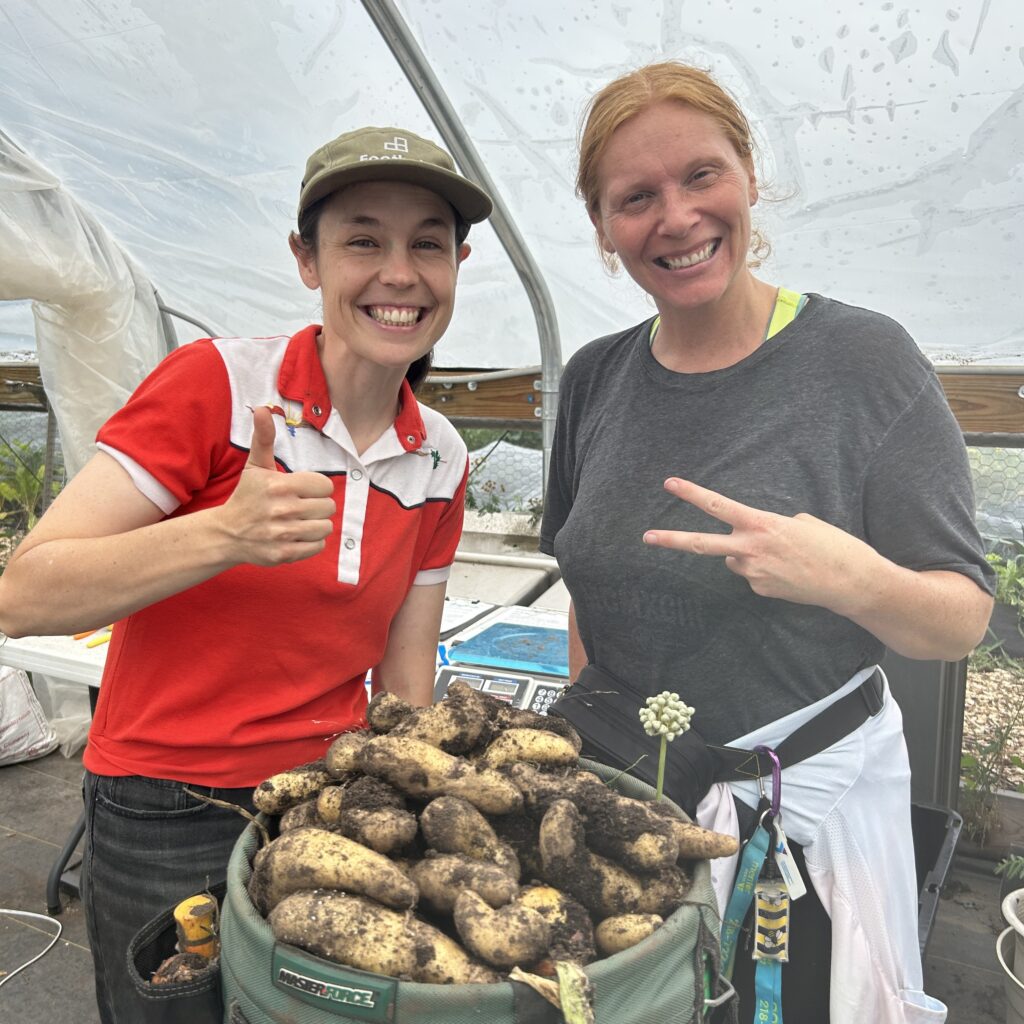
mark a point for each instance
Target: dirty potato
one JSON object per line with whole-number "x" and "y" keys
{"x": 533, "y": 746}
{"x": 329, "y": 802}
{"x": 454, "y": 725}
{"x": 362, "y": 934}
{"x": 614, "y": 934}
{"x": 696, "y": 843}
{"x": 312, "y": 858}
{"x": 340, "y": 758}
{"x": 511, "y": 935}
{"x": 384, "y": 829}
{"x": 452, "y": 824}
{"x": 420, "y": 770}
{"x": 299, "y": 815}
{"x": 664, "y": 891}
{"x": 441, "y": 877}
{"x": 288, "y": 788}
{"x": 572, "y": 929}
{"x": 601, "y": 885}
{"x": 386, "y": 710}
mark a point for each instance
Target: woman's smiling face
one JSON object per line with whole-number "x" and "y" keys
{"x": 674, "y": 205}
{"x": 386, "y": 262}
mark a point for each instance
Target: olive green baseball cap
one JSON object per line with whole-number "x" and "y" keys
{"x": 390, "y": 154}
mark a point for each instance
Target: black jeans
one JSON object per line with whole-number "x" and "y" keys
{"x": 148, "y": 845}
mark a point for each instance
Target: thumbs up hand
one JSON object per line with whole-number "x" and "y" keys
{"x": 271, "y": 517}
{"x": 264, "y": 433}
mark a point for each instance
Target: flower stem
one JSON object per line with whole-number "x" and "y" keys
{"x": 661, "y": 766}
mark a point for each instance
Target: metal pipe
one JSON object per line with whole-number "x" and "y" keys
{"x": 208, "y": 331}
{"x": 49, "y": 458}
{"x": 170, "y": 335}
{"x": 412, "y": 61}
{"x": 478, "y": 375}
{"x": 518, "y": 561}
{"x": 973, "y": 440}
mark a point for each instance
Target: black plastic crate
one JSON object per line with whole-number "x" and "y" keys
{"x": 936, "y": 831}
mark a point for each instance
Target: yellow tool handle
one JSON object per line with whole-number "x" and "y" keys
{"x": 196, "y": 920}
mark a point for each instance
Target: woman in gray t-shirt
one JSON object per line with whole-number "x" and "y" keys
{"x": 752, "y": 496}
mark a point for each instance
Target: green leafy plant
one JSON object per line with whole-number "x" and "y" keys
{"x": 667, "y": 717}
{"x": 1009, "y": 569}
{"x": 486, "y": 497}
{"x": 1012, "y": 866}
{"x": 22, "y": 474}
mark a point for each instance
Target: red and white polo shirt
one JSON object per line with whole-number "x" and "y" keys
{"x": 257, "y": 668}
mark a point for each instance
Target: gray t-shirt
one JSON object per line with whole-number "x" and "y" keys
{"x": 838, "y": 415}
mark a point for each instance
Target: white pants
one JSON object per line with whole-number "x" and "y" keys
{"x": 849, "y": 808}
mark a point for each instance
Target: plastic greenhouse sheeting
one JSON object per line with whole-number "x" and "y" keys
{"x": 891, "y": 137}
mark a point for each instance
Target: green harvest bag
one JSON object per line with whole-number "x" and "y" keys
{"x": 666, "y": 979}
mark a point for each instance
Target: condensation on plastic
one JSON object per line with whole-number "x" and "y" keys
{"x": 891, "y": 133}
{"x": 96, "y": 320}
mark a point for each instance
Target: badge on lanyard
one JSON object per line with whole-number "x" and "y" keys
{"x": 771, "y": 894}
{"x": 771, "y": 919}
{"x": 786, "y": 863}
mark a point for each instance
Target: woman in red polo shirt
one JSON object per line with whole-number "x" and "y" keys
{"x": 266, "y": 521}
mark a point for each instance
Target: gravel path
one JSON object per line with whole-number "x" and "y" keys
{"x": 994, "y": 706}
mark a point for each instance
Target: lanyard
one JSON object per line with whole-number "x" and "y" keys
{"x": 758, "y": 881}
{"x": 751, "y": 863}
{"x": 768, "y": 992}
{"x": 771, "y": 917}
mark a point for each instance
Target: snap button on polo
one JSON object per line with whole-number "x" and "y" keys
{"x": 356, "y": 474}
{"x": 316, "y": 410}
{"x": 349, "y": 543}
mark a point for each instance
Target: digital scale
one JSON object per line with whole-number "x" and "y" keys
{"x": 517, "y": 654}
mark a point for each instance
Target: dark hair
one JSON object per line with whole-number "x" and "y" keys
{"x": 309, "y": 224}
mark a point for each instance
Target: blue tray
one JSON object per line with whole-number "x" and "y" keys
{"x": 535, "y": 649}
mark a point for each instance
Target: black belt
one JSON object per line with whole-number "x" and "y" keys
{"x": 839, "y": 719}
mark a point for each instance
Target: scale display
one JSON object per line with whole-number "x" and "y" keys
{"x": 515, "y": 647}
{"x": 521, "y": 691}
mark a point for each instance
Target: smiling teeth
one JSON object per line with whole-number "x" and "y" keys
{"x": 394, "y": 316}
{"x": 678, "y": 262}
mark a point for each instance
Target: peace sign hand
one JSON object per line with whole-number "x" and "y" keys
{"x": 797, "y": 558}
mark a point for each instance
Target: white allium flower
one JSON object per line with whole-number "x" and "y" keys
{"x": 666, "y": 715}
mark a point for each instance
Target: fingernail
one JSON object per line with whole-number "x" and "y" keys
{"x": 650, "y": 538}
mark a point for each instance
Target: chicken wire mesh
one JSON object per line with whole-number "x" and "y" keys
{"x": 506, "y": 475}
{"x": 506, "y": 471}
{"x": 998, "y": 475}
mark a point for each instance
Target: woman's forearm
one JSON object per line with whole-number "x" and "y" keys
{"x": 934, "y": 615}
{"x": 64, "y": 585}
{"x": 103, "y": 550}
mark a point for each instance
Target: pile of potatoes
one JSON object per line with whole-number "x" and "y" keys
{"x": 452, "y": 843}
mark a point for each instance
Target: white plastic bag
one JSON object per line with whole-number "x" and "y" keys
{"x": 24, "y": 732}
{"x": 66, "y": 707}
